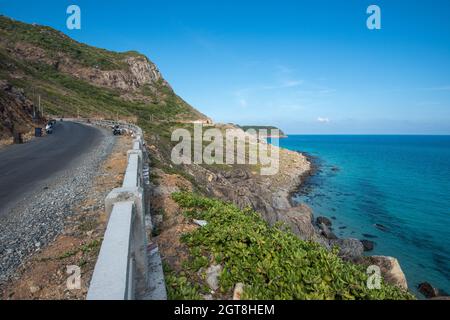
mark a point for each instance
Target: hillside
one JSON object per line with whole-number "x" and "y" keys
{"x": 73, "y": 78}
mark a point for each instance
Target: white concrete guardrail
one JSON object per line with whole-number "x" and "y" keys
{"x": 124, "y": 266}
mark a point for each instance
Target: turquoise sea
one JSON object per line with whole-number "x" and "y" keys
{"x": 394, "y": 190}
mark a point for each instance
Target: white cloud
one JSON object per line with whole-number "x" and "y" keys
{"x": 323, "y": 120}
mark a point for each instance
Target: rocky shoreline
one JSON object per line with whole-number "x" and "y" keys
{"x": 388, "y": 265}
{"x": 271, "y": 196}
{"x": 352, "y": 249}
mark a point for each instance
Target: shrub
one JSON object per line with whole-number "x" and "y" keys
{"x": 272, "y": 263}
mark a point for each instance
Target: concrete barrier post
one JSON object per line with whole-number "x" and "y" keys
{"x": 139, "y": 237}
{"x": 139, "y": 154}
{"x": 112, "y": 273}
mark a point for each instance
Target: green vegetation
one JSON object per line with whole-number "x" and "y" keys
{"x": 94, "y": 245}
{"x": 179, "y": 287}
{"x": 65, "y": 94}
{"x": 155, "y": 106}
{"x": 55, "y": 42}
{"x": 271, "y": 262}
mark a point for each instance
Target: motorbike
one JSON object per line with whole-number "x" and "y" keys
{"x": 117, "y": 131}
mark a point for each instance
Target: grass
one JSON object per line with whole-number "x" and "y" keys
{"x": 94, "y": 245}
{"x": 272, "y": 262}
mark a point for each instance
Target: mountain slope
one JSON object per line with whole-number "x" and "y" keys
{"x": 73, "y": 78}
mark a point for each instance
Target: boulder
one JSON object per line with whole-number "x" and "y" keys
{"x": 428, "y": 290}
{"x": 390, "y": 270}
{"x": 349, "y": 249}
{"x": 238, "y": 291}
{"x": 368, "y": 245}
{"x": 212, "y": 276}
{"x": 300, "y": 220}
{"x": 323, "y": 220}
{"x": 201, "y": 223}
{"x": 280, "y": 201}
{"x": 326, "y": 232}
{"x": 236, "y": 175}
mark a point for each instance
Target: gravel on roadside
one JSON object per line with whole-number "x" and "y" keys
{"x": 39, "y": 217}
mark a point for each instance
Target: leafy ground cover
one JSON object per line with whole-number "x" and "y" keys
{"x": 271, "y": 262}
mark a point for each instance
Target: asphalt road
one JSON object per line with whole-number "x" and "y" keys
{"x": 30, "y": 166}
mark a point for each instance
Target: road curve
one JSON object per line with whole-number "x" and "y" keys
{"x": 28, "y": 166}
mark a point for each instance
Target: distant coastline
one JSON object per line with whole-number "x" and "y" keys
{"x": 268, "y": 128}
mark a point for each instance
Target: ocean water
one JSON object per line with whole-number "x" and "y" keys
{"x": 394, "y": 190}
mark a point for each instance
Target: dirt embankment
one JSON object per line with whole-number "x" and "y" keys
{"x": 16, "y": 113}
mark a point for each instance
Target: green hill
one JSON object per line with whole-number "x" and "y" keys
{"x": 76, "y": 79}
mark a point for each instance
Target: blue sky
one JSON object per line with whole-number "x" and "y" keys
{"x": 305, "y": 66}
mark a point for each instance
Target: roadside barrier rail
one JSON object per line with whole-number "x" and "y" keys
{"x": 122, "y": 268}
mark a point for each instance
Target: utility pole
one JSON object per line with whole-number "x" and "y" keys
{"x": 34, "y": 104}
{"x": 42, "y": 107}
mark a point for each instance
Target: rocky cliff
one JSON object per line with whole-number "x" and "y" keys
{"x": 16, "y": 110}
{"x": 73, "y": 78}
